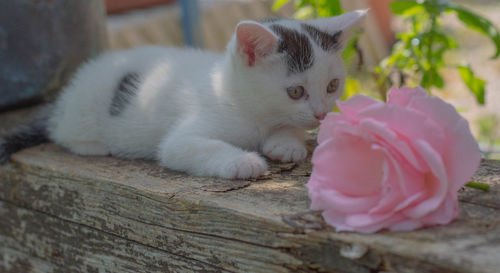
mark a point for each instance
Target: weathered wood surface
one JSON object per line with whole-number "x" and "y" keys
{"x": 102, "y": 212}
{"x": 65, "y": 213}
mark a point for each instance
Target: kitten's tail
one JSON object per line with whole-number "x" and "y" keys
{"x": 32, "y": 134}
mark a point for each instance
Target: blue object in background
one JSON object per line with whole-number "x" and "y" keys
{"x": 191, "y": 23}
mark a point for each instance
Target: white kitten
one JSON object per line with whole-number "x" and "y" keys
{"x": 204, "y": 113}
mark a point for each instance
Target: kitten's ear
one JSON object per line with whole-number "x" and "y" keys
{"x": 254, "y": 41}
{"x": 341, "y": 24}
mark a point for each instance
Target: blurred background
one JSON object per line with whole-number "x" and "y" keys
{"x": 449, "y": 47}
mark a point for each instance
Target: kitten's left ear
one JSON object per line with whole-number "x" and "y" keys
{"x": 254, "y": 41}
{"x": 341, "y": 24}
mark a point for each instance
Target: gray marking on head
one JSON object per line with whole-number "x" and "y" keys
{"x": 127, "y": 88}
{"x": 325, "y": 40}
{"x": 296, "y": 46}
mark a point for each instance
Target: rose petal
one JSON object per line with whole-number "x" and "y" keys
{"x": 400, "y": 190}
{"x": 394, "y": 219}
{"x": 407, "y": 123}
{"x": 390, "y": 165}
{"x": 389, "y": 137}
{"x": 336, "y": 219}
{"x": 340, "y": 170}
{"x": 356, "y": 103}
{"x": 391, "y": 194}
{"x": 363, "y": 220}
{"x": 437, "y": 181}
{"x": 461, "y": 153}
{"x": 330, "y": 123}
{"x": 408, "y": 180}
{"x": 410, "y": 201}
{"x": 402, "y": 96}
{"x": 445, "y": 213}
{"x": 369, "y": 223}
{"x": 326, "y": 198}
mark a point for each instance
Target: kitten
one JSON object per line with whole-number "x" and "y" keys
{"x": 204, "y": 113}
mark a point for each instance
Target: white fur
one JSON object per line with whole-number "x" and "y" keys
{"x": 203, "y": 113}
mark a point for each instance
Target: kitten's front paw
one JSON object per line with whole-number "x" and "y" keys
{"x": 249, "y": 165}
{"x": 286, "y": 151}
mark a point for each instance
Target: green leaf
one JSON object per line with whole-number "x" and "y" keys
{"x": 479, "y": 24}
{"x": 328, "y": 8}
{"x": 304, "y": 13}
{"x": 349, "y": 50}
{"x": 433, "y": 7}
{"x": 437, "y": 79}
{"x": 431, "y": 78}
{"x": 301, "y": 3}
{"x": 488, "y": 125}
{"x": 426, "y": 81}
{"x": 478, "y": 186}
{"x": 278, "y": 4}
{"x": 475, "y": 85}
{"x": 406, "y": 8}
{"x": 352, "y": 87}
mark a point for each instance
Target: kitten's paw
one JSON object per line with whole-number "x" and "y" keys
{"x": 249, "y": 165}
{"x": 286, "y": 151}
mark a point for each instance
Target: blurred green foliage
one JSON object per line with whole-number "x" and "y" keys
{"x": 488, "y": 134}
{"x": 307, "y": 9}
{"x": 417, "y": 58}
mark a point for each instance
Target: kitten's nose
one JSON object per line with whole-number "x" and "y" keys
{"x": 320, "y": 117}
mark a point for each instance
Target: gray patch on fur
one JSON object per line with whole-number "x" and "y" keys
{"x": 126, "y": 90}
{"x": 325, "y": 40}
{"x": 296, "y": 46}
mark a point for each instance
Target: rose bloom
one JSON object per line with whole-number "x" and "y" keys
{"x": 395, "y": 165}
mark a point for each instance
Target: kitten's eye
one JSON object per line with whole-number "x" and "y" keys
{"x": 333, "y": 86}
{"x": 296, "y": 92}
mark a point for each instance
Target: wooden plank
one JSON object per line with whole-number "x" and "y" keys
{"x": 62, "y": 246}
{"x": 242, "y": 226}
{"x": 177, "y": 226}
{"x": 489, "y": 173}
{"x": 13, "y": 261}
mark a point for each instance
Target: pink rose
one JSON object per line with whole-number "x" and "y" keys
{"x": 395, "y": 165}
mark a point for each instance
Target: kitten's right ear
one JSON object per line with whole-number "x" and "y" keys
{"x": 254, "y": 41}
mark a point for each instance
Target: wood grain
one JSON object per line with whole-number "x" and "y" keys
{"x": 134, "y": 208}
{"x": 63, "y": 246}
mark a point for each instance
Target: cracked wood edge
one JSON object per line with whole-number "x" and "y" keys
{"x": 157, "y": 202}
